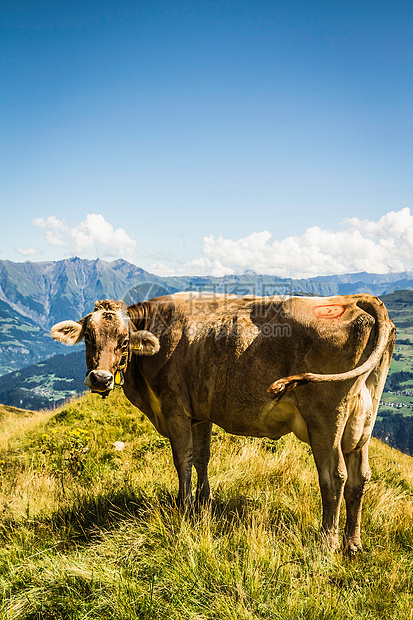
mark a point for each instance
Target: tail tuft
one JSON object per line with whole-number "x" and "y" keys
{"x": 280, "y": 387}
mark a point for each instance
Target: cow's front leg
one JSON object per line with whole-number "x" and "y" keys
{"x": 358, "y": 475}
{"x": 180, "y": 435}
{"x": 201, "y": 438}
{"x": 332, "y": 475}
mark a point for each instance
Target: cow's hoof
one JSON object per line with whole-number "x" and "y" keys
{"x": 185, "y": 506}
{"x": 203, "y": 502}
{"x": 351, "y": 548}
{"x": 330, "y": 542}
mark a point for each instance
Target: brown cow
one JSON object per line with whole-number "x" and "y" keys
{"x": 261, "y": 367}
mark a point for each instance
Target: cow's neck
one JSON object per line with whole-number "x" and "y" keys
{"x": 142, "y": 315}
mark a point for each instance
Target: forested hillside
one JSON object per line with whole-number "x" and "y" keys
{"x": 47, "y": 384}
{"x": 22, "y": 341}
{"x": 394, "y": 424}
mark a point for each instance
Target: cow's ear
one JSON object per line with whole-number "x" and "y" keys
{"x": 144, "y": 343}
{"x": 68, "y": 332}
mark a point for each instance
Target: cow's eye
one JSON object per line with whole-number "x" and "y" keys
{"x": 87, "y": 337}
{"x": 124, "y": 344}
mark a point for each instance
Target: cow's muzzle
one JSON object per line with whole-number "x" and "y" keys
{"x": 100, "y": 381}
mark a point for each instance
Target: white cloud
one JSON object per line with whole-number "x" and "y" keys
{"x": 29, "y": 251}
{"x": 360, "y": 245}
{"x": 92, "y": 237}
{"x": 55, "y": 229}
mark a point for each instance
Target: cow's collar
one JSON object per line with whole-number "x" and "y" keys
{"x": 119, "y": 379}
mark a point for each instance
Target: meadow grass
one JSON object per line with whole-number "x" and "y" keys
{"x": 88, "y": 531}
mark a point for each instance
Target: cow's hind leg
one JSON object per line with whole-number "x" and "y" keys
{"x": 358, "y": 475}
{"x": 201, "y": 439}
{"x": 332, "y": 475}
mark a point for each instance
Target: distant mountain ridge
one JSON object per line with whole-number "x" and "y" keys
{"x": 34, "y": 296}
{"x": 47, "y": 292}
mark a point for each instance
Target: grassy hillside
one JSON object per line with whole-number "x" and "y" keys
{"x": 400, "y": 306}
{"x": 88, "y": 531}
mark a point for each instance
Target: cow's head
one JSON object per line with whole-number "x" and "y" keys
{"x": 110, "y": 339}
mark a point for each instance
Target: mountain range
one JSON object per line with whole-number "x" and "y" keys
{"x": 47, "y": 292}
{"x": 34, "y": 296}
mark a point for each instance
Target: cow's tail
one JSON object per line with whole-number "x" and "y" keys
{"x": 375, "y": 308}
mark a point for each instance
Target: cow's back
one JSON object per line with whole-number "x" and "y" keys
{"x": 236, "y": 347}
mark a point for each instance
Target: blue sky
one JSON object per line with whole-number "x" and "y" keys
{"x": 208, "y": 137}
